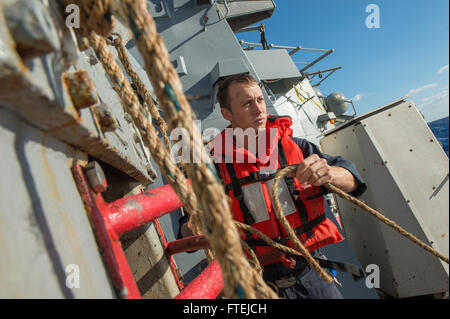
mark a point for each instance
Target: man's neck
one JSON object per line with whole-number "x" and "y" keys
{"x": 245, "y": 143}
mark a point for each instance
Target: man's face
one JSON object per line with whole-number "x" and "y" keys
{"x": 248, "y": 108}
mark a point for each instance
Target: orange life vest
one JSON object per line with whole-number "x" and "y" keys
{"x": 249, "y": 185}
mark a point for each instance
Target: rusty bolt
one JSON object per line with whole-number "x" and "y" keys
{"x": 83, "y": 43}
{"x": 91, "y": 57}
{"x": 96, "y": 177}
{"x": 92, "y": 60}
{"x": 81, "y": 88}
{"x": 136, "y": 137}
{"x": 151, "y": 172}
{"x": 32, "y": 28}
{"x": 127, "y": 118}
{"x": 105, "y": 118}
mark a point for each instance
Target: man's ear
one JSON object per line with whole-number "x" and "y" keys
{"x": 226, "y": 113}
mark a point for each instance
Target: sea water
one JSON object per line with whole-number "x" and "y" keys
{"x": 440, "y": 130}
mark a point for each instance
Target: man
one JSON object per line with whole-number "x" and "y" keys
{"x": 247, "y": 168}
{"x": 248, "y": 182}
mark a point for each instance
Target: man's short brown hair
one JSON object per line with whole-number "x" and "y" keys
{"x": 222, "y": 94}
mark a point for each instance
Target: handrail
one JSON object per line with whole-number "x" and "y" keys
{"x": 112, "y": 251}
{"x": 317, "y": 60}
{"x": 110, "y": 220}
{"x": 186, "y": 244}
{"x": 273, "y": 46}
{"x": 207, "y": 285}
{"x": 134, "y": 211}
{"x": 292, "y": 52}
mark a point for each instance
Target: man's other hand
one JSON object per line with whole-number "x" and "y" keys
{"x": 315, "y": 170}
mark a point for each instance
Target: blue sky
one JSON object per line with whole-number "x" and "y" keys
{"x": 407, "y": 55}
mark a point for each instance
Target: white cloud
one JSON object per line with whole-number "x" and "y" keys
{"x": 435, "y": 107}
{"x": 442, "y": 69}
{"x": 436, "y": 97}
{"x": 423, "y": 88}
{"x": 359, "y": 97}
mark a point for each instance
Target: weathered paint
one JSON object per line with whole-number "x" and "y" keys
{"x": 108, "y": 239}
{"x": 133, "y": 211}
{"x": 36, "y": 90}
{"x": 81, "y": 88}
{"x": 43, "y": 226}
{"x": 187, "y": 244}
{"x": 207, "y": 285}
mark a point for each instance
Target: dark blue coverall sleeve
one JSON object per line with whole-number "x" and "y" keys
{"x": 309, "y": 148}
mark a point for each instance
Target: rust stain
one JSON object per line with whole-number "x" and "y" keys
{"x": 51, "y": 182}
{"x": 76, "y": 254}
{"x": 12, "y": 84}
{"x": 108, "y": 123}
{"x": 75, "y": 156}
{"x": 443, "y": 235}
{"x": 18, "y": 91}
{"x": 70, "y": 123}
{"x": 81, "y": 88}
{"x": 96, "y": 116}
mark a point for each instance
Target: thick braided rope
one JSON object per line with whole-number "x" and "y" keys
{"x": 96, "y": 16}
{"x": 132, "y": 106}
{"x": 274, "y": 244}
{"x": 141, "y": 88}
{"x": 288, "y": 228}
{"x": 239, "y": 278}
{"x": 253, "y": 258}
{"x": 150, "y": 105}
{"x": 386, "y": 221}
{"x": 268, "y": 240}
{"x": 370, "y": 210}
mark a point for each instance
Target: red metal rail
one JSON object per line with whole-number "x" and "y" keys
{"x": 172, "y": 265}
{"x": 133, "y": 211}
{"x": 187, "y": 244}
{"x": 110, "y": 220}
{"x": 207, "y": 285}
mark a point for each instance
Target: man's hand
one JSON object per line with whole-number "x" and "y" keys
{"x": 315, "y": 170}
